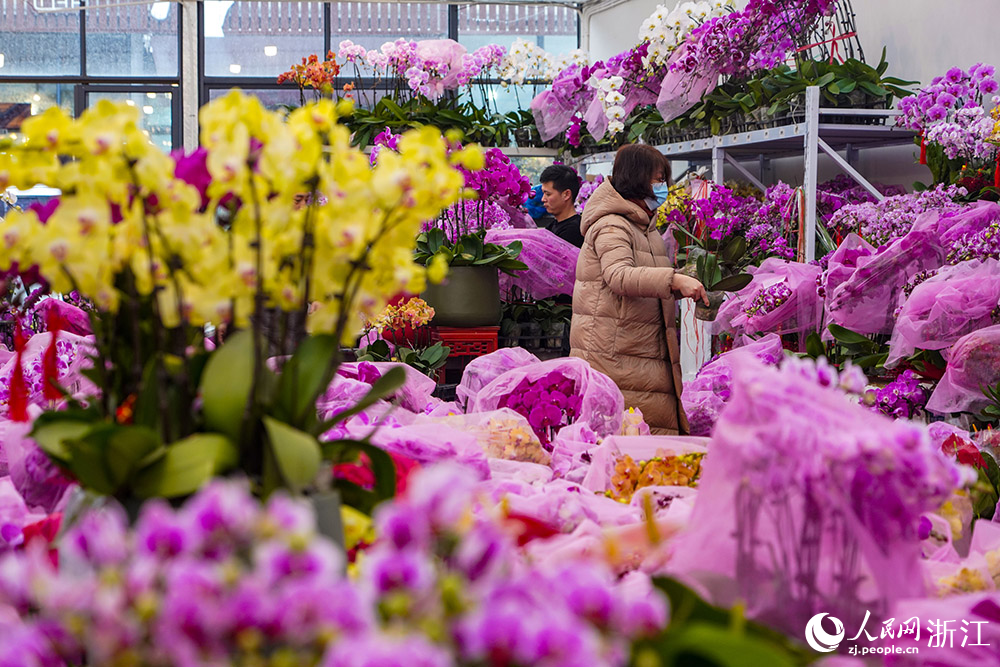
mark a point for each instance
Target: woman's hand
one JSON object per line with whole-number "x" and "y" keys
{"x": 690, "y": 288}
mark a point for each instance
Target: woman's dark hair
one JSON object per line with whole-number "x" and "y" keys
{"x": 636, "y": 165}
{"x": 562, "y": 178}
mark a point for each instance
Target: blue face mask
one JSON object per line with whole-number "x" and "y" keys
{"x": 660, "y": 192}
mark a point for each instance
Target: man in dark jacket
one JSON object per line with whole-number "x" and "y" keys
{"x": 560, "y": 186}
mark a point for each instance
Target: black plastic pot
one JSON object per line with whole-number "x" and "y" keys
{"x": 468, "y": 297}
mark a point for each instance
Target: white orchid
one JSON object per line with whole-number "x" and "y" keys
{"x": 615, "y": 112}
{"x": 665, "y": 30}
{"x": 614, "y": 127}
{"x": 614, "y": 97}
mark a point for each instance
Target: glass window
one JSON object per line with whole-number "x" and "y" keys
{"x": 553, "y": 28}
{"x": 156, "y": 112}
{"x": 372, "y": 24}
{"x": 273, "y": 98}
{"x": 36, "y": 42}
{"x": 133, "y": 40}
{"x": 19, "y": 101}
{"x": 260, "y": 39}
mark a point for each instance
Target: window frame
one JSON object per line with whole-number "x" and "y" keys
{"x": 81, "y": 82}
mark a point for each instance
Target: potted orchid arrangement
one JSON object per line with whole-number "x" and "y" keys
{"x": 435, "y": 82}
{"x": 955, "y": 127}
{"x": 457, "y": 239}
{"x": 213, "y": 335}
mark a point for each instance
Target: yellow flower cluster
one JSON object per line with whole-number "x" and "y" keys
{"x": 663, "y": 470}
{"x": 633, "y": 423}
{"x": 678, "y": 199}
{"x": 513, "y": 440}
{"x": 346, "y": 255}
{"x": 413, "y": 312}
{"x": 995, "y": 115}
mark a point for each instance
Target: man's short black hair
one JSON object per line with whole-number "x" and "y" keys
{"x": 562, "y": 178}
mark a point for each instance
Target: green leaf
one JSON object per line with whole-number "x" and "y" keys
{"x": 435, "y": 239}
{"x": 883, "y": 65}
{"x": 186, "y": 466}
{"x": 732, "y": 283}
{"x": 296, "y": 453}
{"x": 877, "y": 91}
{"x": 846, "y": 86}
{"x": 393, "y": 108}
{"x": 870, "y": 360}
{"x": 825, "y": 80}
{"x": 384, "y": 386}
{"x": 701, "y": 643}
{"x": 51, "y": 435}
{"x": 734, "y": 250}
{"x": 226, "y": 384}
{"x": 379, "y": 350}
{"x": 305, "y": 376}
{"x": 847, "y": 336}
{"x": 89, "y": 461}
{"x": 126, "y": 448}
{"x": 814, "y": 346}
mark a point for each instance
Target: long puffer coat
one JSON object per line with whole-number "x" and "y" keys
{"x": 624, "y": 321}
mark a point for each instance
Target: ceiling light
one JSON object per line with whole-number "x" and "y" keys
{"x": 151, "y": 96}
{"x": 36, "y": 97}
{"x": 13, "y": 136}
{"x": 130, "y": 103}
{"x": 270, "y": 51}
{"x": 147, "y": 109}
{"x": 1, "y": 60}
{"x": 160, "y": 10}
{"x": 234, "y": 69}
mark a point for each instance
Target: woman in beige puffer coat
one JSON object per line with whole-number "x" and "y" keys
{"x": 624, "y": 321}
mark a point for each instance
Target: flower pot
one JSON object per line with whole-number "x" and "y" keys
{"x": 468, "y": 297}
{"x": 708, "y": 313}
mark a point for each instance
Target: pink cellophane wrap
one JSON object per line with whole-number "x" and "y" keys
{"x": 973, "y": 363}
{"x": 680, "y": 91}
{"x": 483, "y": 370}
{"x": 596, "y": 119}
{"x": 640, "y": 448}
{"x": 552, "y": 114}
{"x": 801, "y": 313}
{"x": 841, "y": 266}
{"x": 413, "y": 395}
{"x": 565, "y": 505}
{"x": 13, "y": 516}
{"x": 865, "y": 302}
{"x": 602, "y": 404}
{"x": 804, "y": 491}
{"x": 501, "y": 434}
{"x": 40, "y": 481}
{"x": 571, "y": 451}
{"x": 706, "y": 395}
{"x": 551, "y": 262}
{"x": 432, "y": 442}
{"x": 958, "y": 300}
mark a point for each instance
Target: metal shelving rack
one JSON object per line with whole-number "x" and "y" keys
{"x": 807, "y": 138}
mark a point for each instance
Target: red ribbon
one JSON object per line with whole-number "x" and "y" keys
{"x": 996, "y": 173}
{"x": 923, "y": 150}
{"x": 18, "y": 405}
{"x": 50, "y": 368}
{"x": 835, "y": 49}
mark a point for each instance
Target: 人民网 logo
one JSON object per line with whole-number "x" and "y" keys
{"x": 819, "y": 639}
